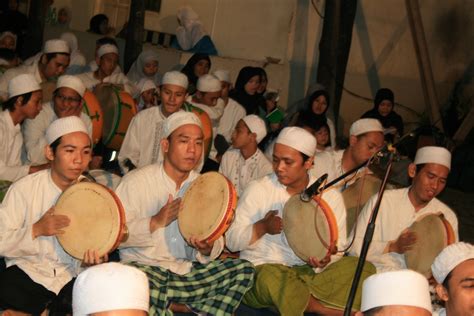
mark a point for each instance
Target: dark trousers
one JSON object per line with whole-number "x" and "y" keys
{"x": 19, "y": 292}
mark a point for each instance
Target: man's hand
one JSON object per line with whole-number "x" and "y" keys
{"x": 203, "y": 247}
{"x": 404, "y": 242}
{"x": 50, "y": 224}
{"x": 315, "y": 263}
{"x": 91, "y": 257}
{"x": 272, "y": 222}
{"x": 167, "y": 214}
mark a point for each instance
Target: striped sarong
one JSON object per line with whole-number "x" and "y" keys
{"x": 215, "y": 288}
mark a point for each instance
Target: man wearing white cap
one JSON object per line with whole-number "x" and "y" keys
{"x": 107, "y": 58}
{"x": 245, "y": 162}
{"x": 401, "y": 293}
{"x": 24, "y": 102}
{"x": 453, "y": 270}
{"x": 51, "y": 64}
{"x": 179, "y": 273}
{"x": 400, "y": 208}
{"x": 283, "y": 280}
{"x": 39, "y": 271}
{"x": 111, "y": 289}
{"x": 142, "y": 142}
{"x": 67, "y": 101}
{"x": 365, "y": 139}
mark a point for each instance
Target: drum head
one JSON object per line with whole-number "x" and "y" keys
{"x": 108, "y": 99}
{"x": 94, "y": 111}
{"x": 432, "y": 238}
{"x": 208, "y": 207}
{"x": 97, "y": 219}
{"x": 300, "y": 221}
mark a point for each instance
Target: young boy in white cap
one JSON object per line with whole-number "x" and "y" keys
{"x": 39, "y": 271}
{"x": 53, "y": 62}
{"x": 24, "y": 102}
{"x": 400, "y": 208}
{"x": 67, "y": 101}
{"x": 284, "y": 281}
{"x": 111, "y": 289}
{"x": 141, "y": 145}
{"x": 401, "y": 293}
{"x": 179, "y": 273}
{"x": 453, "y": 270}
{"x": 146, "y": 94}
{"x": 366, "y": 138}
{"x": 245, "y": 162}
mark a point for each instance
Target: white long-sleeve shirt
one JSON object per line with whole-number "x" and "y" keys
{"x": 34, "y": 132}
{"x": 267, "y": 194}
{"x": 396, "y": 213}
{"x": 241, "y": 171}
{"x": 233, "y": 113}
{"x": 143, "y": 193}
{"x": 116, "y": 78}
{"x": 42, "y": 259}
{"x": 11, "y": 142}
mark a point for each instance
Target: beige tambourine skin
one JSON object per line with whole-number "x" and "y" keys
{"x": 97, "y": 219}
{"x": 208, "y": 207}
{"x": 309, "y": 227}
{"x": 433, "y": 234}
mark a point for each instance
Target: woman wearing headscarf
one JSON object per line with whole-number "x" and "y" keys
{"x": 64, "y": 17}
{"x": 8, "y": 40}
{"x": 191, "y": 35}
{"x": 245, "y": 91}
{"x": 383, "y": 111}
{"x": 99, "y": 24}
{"x": 145, "y": 67}
{"x": 197, "y": 65}
{"x": 77, "y": 60}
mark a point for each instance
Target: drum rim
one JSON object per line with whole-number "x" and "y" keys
{"x": 118, "y": 116}
{"x": 99, "y": 120}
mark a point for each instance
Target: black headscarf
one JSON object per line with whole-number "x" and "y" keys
{"x": 249, "y": 102}
{"x": 188, "y": 70}
{"x": 95, "y": 22}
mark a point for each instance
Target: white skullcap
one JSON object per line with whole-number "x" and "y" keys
{"x": 299, "y": 139}
{"x": 22, "y": 84}
{"x": 222, "y": 75}
{"x": 108, "y": 287}
{"x": 365, "y": 125}
{"x": 63, "y": 126}
{"x": 145, "y": 84}
{"x": 178, "y": 119}
{"x": 175, "y": 78}
{"x": 256, "y": 125}
{"x": 450, "y": 258}
{"x": 56, "y": 46}
{"x": 71, "y": 82}
{"x": 403, "y": 287}
{"x": 433, "y": 154}
{"x": 208, "y": 83}
{"x": 107, "y": 49}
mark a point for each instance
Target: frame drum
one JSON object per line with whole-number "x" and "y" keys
{"x": 97, "y": 219}
{"x": 92, "y": 108}
{"x": 208, "y": 207}
{"x": 310, "y": 227}
{"x": 433, "y": 234}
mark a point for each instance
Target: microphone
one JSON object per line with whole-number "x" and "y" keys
{"x": 313, "y": 189}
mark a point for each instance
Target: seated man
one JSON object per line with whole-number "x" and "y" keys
{"x": 39, "y": 272}
{"x": 179, "y": 273}
{"x": 400, "y": 208}
{"x": 453, "y": 270}
{"x": 283, "y": 280}
{"x": 67, "y": 101}
{"x": 400, "y": 293}
{"x": 366, "y": 138}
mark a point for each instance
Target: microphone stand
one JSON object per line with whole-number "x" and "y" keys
{"x": 367, "y": 239}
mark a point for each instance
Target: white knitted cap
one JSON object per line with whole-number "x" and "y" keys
{"x": 178, "y": 119}
{"x": 71, "y": 82}
{"x": 175, "y": 78}
{"x": 22, "y": 84}
{"x": 222, "y": 75}
{"x": 56, "y": 46}
{"x": 433, "y": 154}
{"x": 208, "y": 83}
{"x": 63, "y": 126}
{"x": 107, "y": 49}
{"x": 256, "y": 125}
{"x": 299, "y": 139}
{"x": 365, "y": 125}
{"x": 450, "y": 258}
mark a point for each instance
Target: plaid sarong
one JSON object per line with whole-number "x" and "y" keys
{"x": 215, "y": 288}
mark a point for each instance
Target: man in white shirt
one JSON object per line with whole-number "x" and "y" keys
{"x": 400, "y": 208}
{"x": 38, "y": 268}
{"x": 283, "y": 280}
{"x": 245, "y": 162}
{"x": 366, "y": 138}
{"x": 182, "y": 276}
{"x": 52, "y": 63}
{"x": 453, "y": 270}
{"x": 67, "y": 101}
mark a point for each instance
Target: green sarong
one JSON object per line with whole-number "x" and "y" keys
{"x": 288, "y": 289}
{"x": 4, "y": 185}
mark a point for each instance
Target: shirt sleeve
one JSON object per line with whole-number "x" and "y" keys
{"x": 130, "y": 148}
{"x": 35, "y": 140}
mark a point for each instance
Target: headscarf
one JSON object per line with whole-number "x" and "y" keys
{"x": 69, "y": 15}
{"x": 95, "y": 22}
{"x": 249, "y": 102}
{"x": 188, "y": 69}
{"x": 135, "y": 74}
{"x": 77, "y": 58}
{"x": 191, "y": 30}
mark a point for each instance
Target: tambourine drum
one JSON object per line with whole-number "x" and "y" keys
{"x": 310, "y": 227}
{"x": 206, "y": 126}
{"x": 208, "y": 207}
{"x": 433, "y": 234}
{"x": 97, "y": 219}
{"x": 369, "y": 186}
{"x": 118, "y": 108}
{"x": 91, "y": 107}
